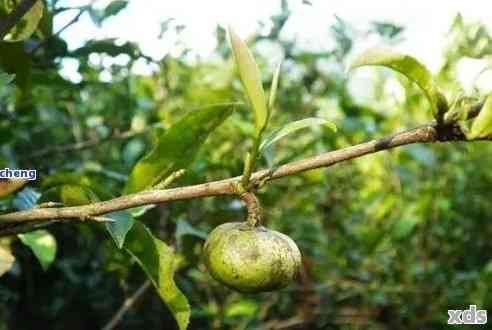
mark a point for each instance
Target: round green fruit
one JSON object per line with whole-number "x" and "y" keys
{"x": 251, "y": 259}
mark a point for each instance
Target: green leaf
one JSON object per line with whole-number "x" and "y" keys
{"x": 119, "y": 229}
{"x": 404, "y": 227}
{"x": 184, "y": 228}
{"x": 42, "y": 244}
{"x": 15, "y": 60}
{"x": 158, "y": 261}
{"x": 6, "y": 257}
{"x": 27, "y": 25}
{"x": 140, "y": 210}
{"x": 482, "y": 124}
{"x": 273, "y": 89}
{"x": 176, "y": 147}
{"x": 69, "y": 195}
{"x": 115, "y": 7}
{"x": 5, "y": 79}
{"x": 250, "y": 78}
{"x": 295, "y": 126}
{"x": 242, "y": 308}
{"x": 108, "y": 47}
{"x": 408, "y": 66}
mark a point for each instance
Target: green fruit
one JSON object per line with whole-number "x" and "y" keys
{"x": 251, "y": 259}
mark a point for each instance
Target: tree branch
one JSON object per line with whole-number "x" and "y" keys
{"x": 90, "y": 143}
{"x": 74, "y": 20}
{"x": 424, "y": 134}
{"x": 14, "y": 17}
{"x": 127, "y": 304}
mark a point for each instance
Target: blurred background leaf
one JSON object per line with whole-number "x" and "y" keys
{"x": 382, "y": 237}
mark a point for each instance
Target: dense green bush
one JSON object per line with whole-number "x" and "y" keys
{"x": 389, "y": 241}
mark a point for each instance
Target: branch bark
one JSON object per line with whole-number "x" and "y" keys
{"x": 89, "y": 143}
{"x": 14, "y": 17}
{"x": 20, "y": 221}
{"x": 127, "y": 304}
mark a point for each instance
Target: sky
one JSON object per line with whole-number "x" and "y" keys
{"x": 426, "y": 23}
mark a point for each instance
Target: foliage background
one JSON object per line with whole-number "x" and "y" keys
{"x": 390, "y": 241}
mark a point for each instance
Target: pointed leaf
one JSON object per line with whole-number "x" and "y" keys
{"x": 42, "y": 244}
{"x": 158, "y": 261}
{"x": 408, "y": 66}
{"x": 27, "y": 25}
{"x": 114, "y": 7}
{"x": 119, "y": 229}
{"x": 273, "y": 88}
{"x": 295, "y": 126}
{"x": 176, "y": 147}
{"x": 482, "y": 125}
{"x": 250, "y": 78}
{"x": 69, "y": 195}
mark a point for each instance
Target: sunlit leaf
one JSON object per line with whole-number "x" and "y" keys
{"x": 69, "y": 195}
{"x": 6, "y": 257}
{"x": 482, "y": 124}
{"x": 140, "y": 210}
{"x": 408, "y": 66}
{"x": 250, "y": 78}
{"x": 119, "y": 229}
{"x": 295, "y": 126}
{"x": 273, "y": 88}
{"x": 176, "y": 147}
{"x": 28, "y": 24}
{"x": 242, "y": 308}
{"x": 159, "y": 262}
{"x": 95, "y": 188}
{"x": 42, "y": 244}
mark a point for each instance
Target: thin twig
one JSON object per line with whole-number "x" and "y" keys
{"x": 424, "y": 134}
{"x": 170, "y": 179}
{"x": 89, "y": 143}
{"x": 74, "y": 20}
{"x": 48, "y": 204}
{"x": 100, "y": 219}
{"x": 127, "y": 304}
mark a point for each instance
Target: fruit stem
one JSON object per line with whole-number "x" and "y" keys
{"x": 253, "y": 207}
